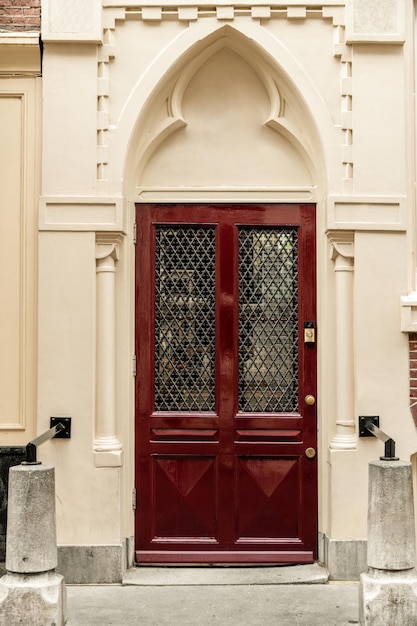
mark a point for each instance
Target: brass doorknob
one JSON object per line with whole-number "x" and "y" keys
{"x": 309, "y": 400}
{"x": 310, "y": 453}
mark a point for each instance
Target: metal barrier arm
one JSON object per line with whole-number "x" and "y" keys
{"x": 31, "y": 447}
{"x": 386, "y": 439}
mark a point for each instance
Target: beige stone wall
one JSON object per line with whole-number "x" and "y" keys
{"x": 324, "y": 94}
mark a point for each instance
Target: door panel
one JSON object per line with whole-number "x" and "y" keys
{"x": 180, "y": 486}
{"x": 263, "y": 485}
{"x": 223, "y": 293}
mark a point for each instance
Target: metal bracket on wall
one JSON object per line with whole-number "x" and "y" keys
{"x": 370, "y": 424}
{"x": 363, "y": 419}
{"x": 66, "y": 422}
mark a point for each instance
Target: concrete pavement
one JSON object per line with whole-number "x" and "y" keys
{"x": 216, "y": 597}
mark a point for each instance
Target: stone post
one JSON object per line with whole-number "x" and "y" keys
{"x": 31, "y": 593}
{"x": 388, "y": 590}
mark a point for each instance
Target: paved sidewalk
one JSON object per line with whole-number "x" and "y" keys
{"x": 328, "y": 604}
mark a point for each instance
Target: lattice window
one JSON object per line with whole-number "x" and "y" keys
{"x": 185, "y": 319}
{"x": 268, "y": 319}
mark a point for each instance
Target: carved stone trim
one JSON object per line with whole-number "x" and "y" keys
{"x": 409, "y": 313}
{"x": 375, "y": 22}
{"x": 376, "y": 213}
{"x": 107, "y": 245}
{"x": 119, "y": 10}
{"x": 71, "y": 21}
{"x": 341, "y": 244}
{"x": 81, "y": 213}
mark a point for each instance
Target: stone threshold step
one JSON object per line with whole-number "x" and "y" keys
{"x": 223, "y": 575}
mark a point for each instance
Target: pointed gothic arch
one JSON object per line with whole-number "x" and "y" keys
{"x": 153, "y": 110}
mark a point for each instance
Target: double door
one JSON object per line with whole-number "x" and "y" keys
{"x": 226, "y": 466}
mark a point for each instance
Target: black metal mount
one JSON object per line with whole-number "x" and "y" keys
{"x": 60, "y": 428}
{"x": 65, "y": 433}
{"x": 363, "y": 429}
{"x": 369, "y": 427}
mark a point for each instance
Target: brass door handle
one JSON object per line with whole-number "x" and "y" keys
{"x": 310, "y": 400}
{"x": 310, "y": 453}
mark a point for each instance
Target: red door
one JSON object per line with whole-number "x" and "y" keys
{"x": 225, "y": 433}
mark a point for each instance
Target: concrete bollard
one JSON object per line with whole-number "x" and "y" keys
{"x": 31, "y": 593}
{"x": 388, "y": 590}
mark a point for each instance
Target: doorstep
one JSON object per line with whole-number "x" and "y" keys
{"x": 221, "y": 575}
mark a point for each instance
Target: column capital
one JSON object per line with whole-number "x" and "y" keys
{"x": 341, "y": 244}
{"x": 107, "y": 244}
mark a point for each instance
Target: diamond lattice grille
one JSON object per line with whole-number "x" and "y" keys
{"x": 268, "y": 319}
{"x": 184, "y": 319}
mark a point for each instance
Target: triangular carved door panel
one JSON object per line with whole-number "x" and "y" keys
{"x": 182, "y": 483}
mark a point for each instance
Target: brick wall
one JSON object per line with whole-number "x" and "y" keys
{"x": 413, "y": 375}
{"x": 20, "y": 15}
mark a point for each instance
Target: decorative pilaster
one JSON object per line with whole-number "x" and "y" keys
{"x": 107, "y": 447}
{"x": 342, "y": 254}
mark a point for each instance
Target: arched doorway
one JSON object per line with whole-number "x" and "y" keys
{"x": 225, "y": 440}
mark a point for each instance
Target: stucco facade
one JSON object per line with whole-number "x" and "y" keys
{"x": 200, "y": 103}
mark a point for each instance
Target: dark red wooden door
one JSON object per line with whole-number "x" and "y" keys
{"x": 225, "y": 439}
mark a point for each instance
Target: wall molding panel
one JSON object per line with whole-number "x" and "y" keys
{"x": 19, "y": 99}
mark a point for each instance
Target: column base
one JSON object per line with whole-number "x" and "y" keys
{"x": 388, "y": 597}
{"x": 39, "y": 598}
{"x": 107, "y": 444}
{"x": 112, "y": 458}
{"x": 343, "y": 442}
